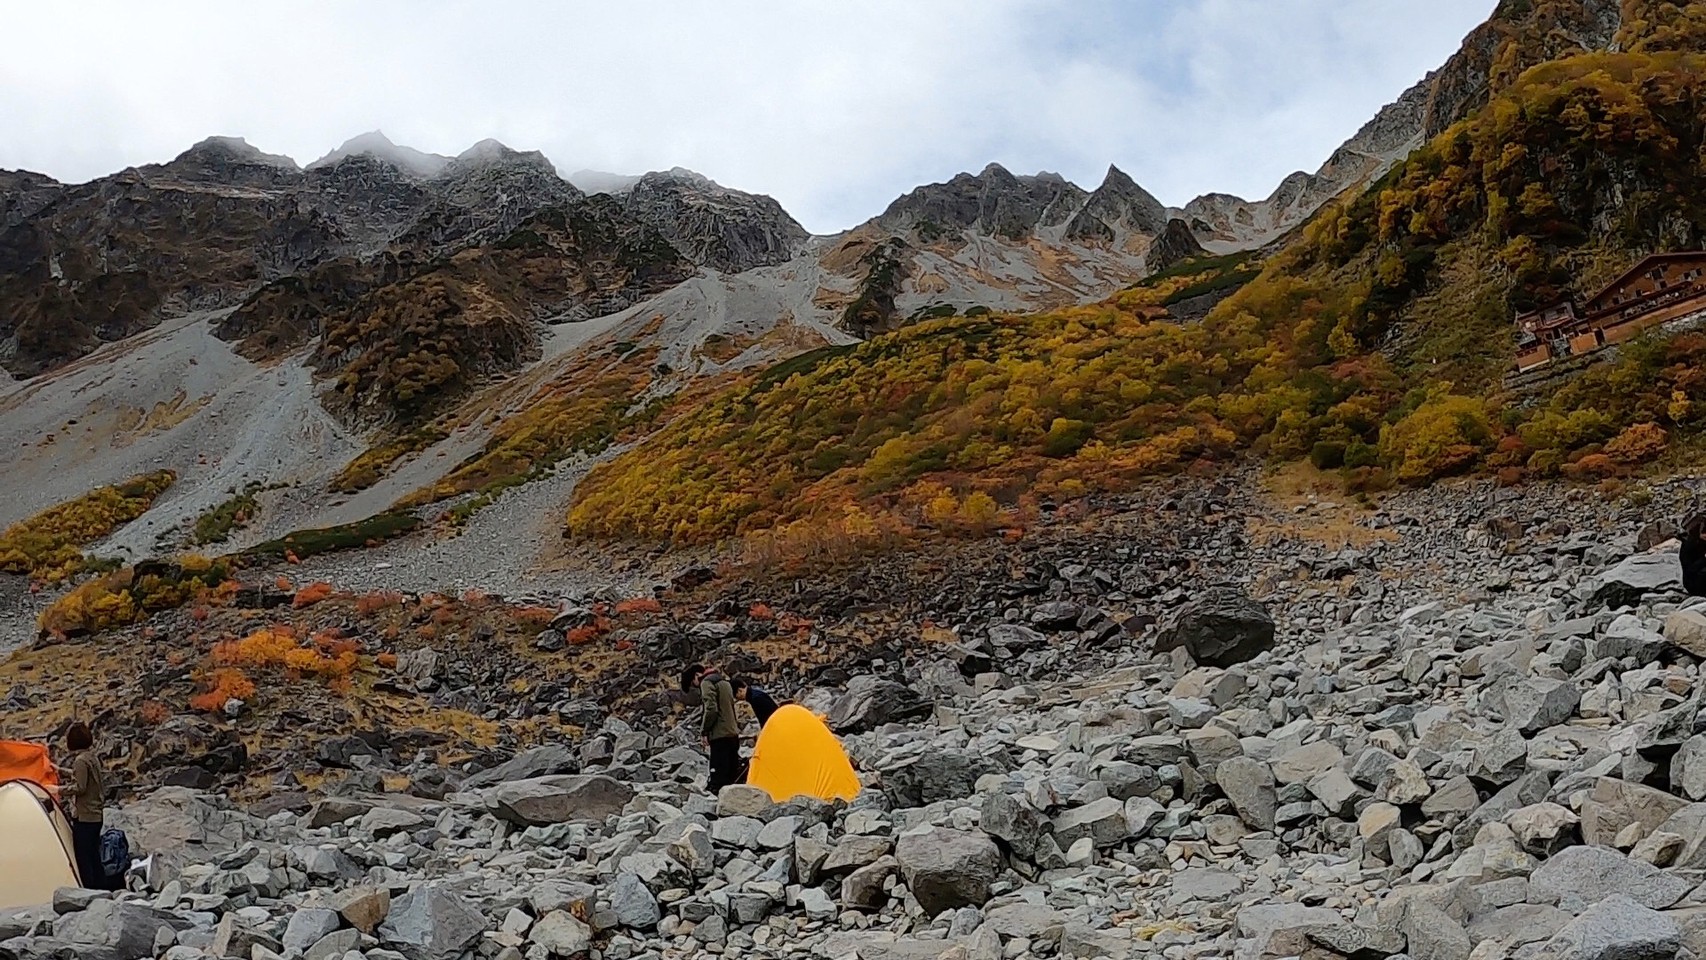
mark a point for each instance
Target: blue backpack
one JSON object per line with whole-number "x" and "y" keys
{"x": 115, "y": 855}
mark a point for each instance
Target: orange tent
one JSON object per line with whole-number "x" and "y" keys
{"x": 36, "y": 856}
{"x": 796, "y": 755}
{"x": 27, "y": 761}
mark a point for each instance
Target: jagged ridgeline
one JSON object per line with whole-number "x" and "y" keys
{"x": 1375, "y": 339}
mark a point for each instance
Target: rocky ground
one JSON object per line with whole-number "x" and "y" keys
{"x": 1196, "y": 730}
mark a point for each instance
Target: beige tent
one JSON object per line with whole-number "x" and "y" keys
{"x": 36, "y": 857}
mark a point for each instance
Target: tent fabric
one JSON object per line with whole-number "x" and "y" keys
{"x": 796, "y": 755}
{"x": 36, "y": 857}
{"x": 20, "y": 760}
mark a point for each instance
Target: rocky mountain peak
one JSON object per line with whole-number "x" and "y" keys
{"x": 1117, "y": 209}
{"x": 729, "y": 230}
{"x": 232, "y": 150}
{"x": 489, "y": 152}
{"x": 377, "y": 145}
{"x": 226, "y": 162}
{"x": 994, "y": 202}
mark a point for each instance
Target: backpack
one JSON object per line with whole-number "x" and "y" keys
{"x": 115, "y": 854}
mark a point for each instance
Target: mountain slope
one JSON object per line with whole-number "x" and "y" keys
{"x": 1374, "y": 339}
{"x": 1520, "y": 34}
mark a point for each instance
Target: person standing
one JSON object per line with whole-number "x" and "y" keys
{"x": 86, "y": 790}
{"x": 717, "y": 724}
{"x": 762, "y": 704}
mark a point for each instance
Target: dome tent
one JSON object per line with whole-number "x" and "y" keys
{"x": 36, "y": 858}
{"x": 796, "y": 755}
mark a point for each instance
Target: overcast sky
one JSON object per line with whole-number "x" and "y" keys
{"x": 833, "y": 107}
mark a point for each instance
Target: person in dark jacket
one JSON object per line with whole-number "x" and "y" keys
{"x": 84, "y": 791}
{"x": 762, "y": 704}
{"x": 717, "y": 725}
{"x": 1694, "y": 556}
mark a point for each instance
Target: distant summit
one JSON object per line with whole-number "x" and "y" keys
{"x": 376, "y": 144}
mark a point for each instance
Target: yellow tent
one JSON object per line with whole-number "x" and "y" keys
{"x": 36, "y": 856}
{"x": 796, "y": 755}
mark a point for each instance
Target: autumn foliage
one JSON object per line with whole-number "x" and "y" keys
{"x": 49, "y": 544}
{"x": 311, "y": 594}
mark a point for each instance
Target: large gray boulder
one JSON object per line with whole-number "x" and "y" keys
{"x": 1249, "y": 784}
{"x": 947, "y": 869}
{"x": 1531, "y": 704}
{"x": 541, "y": 761}
{"x": 1014, "y": 822}
{"x": 1103, "y": 821}
{"x": 1618, "y": 928}
{"x": 940, "y": 773}
{"x": 559, "y": 933}
{"x": 633, "y": 903}
{"x": 1625, "y": 584}
{"x": 177, "y": 818}
{"x": 1578, "y": 877}
{"x": 431, "y": 923}
{"x": 1221, "y": 627}
{"x": 869, "y": 702}
{"x": 560, "y": 799}
{"x": 307, "y": 926}
{"x": 109, "y": 930}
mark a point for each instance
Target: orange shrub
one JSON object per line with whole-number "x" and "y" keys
{"x": 312, "y": 594}
{"x": 283, "y": 583}
{"x": 152, "y": 713}
{"x": 761, "y": 611}
{"x": 387, "y": 660}
{"x": 224, "y": 684}
{"x": 1638, "y": 444}
{"x": 580, "y": 635}
{"x": 534, "y": 618}
{"x": 369, "y": 604}
{"x": 638, "y": 605}
{"x": 1594, "y": 466}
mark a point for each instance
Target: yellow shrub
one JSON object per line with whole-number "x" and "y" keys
{"x": 1444, "y": 435}
{"x": 48, "y": 545}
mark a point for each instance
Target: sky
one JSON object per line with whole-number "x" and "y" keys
{"x": 833, "y": 107}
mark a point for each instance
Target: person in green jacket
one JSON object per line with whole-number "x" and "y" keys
{"x": 717, "y": 724}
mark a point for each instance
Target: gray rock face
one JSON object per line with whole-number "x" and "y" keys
{"x": 947, "y": 869}
{"x": 108, "y": 929}
{"x": 540, "y": 761}
{"x": 1249, "y": 784}
{"x": 1644, "y": 573}
{"x": 431, "y": 923}
{"x": 1434, "y": 935}
{"x": 1618, "y": 928}
{"x": 559, "y": 799}
{"x": 559, "y": 933}
{"x": 307, "y": 926}
{"x": 869, "y": 702}
{"x": 1014, "y": 822}
{"x": 720, "y": 228}
{"x": 1221, "y": 627}
{"x": 633, "y": 903}
{"x": 939, "y": 774}
{"x": 994, "y": 202}
{"x": 1535, "y": 703}
{"x": 1102, "y": 821}
{"x": 1578, "y": 877}
{"x": 863, "y": 888}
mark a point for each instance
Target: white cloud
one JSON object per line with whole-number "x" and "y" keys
{"x": 835, "y": 108}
